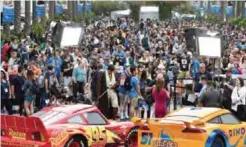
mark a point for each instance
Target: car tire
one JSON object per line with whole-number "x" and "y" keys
{"x": 78, "y": 140}
{"x": 132, "y": 138}
{"x": 218, "y": 142}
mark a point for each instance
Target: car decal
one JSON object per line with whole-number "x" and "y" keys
{"x": 237, "y": 142}
{"x": 215, "y": 133}
{"x": 164, "y": 139}
{"x": 59, "y": 138}
{"x": 17, "y": 134}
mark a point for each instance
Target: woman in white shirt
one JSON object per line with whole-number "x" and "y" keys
{"x": 238, "y": 94}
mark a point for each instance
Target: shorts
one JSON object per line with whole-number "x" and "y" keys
{"x": 123, "y": 98}
{"x": 142, "y": 104}
{"x": 134, "y": 104}
{"x": 28, "y": 99}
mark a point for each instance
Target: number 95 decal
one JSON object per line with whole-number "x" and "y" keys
{"x": 99, "y": 136}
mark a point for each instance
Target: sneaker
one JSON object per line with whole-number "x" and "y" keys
{"x": 121, "y": 116}
{"x": 126, "y": 115}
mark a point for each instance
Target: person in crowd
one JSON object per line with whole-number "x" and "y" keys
{"x": 134, "y": 93}
{"x": 228, "y": 86}
{"x": 101, "y": 89}
{"x": 123, "y": 92}
{"x": 17, "y": 85}
{"x": 79, "y": 78}
{"x": 28, "y": 88}
{"x": 210, "y": 97}
{"x": 56, "y": 61}
{"x": 160, "y": 96}
{"x": 204, "y": 84}
{"x": 5, "y": 94}
{"x": 111, "y": 87}
{"x": 238, "y": 96}
{"x": 203, "y": 71}
{"x": 67, "y": 68}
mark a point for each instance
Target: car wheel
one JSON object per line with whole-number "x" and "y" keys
{"x": 218, "y": 142}
{"x": 76, "y": 141}
{"x": 132, "y": 138}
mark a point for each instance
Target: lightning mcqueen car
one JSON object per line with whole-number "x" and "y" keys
{"x": 63, "y": 126}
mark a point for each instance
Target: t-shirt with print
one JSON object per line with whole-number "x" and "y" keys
{"x": 66, "y": 65}
{"x": 134, "y": 83}
{"x": 18, "y": 82}
{"x": 184, "y": 64}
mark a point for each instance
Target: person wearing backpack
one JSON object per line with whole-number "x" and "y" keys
{"x": 124, "y": 88}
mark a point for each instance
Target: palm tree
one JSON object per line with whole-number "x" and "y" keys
{"x": 51, "y": 9}
{"x": 70, "y": 10}
{"x": 27, "y": 17}
{"x": 43, "y": 19}
{"x": 242, "y": 8}
{"x": 235, "y": 8}
{"x": 223, "y": 10}
{"x": 209, "y": 7}
{"x": 17, "y": 21}
{"x": 34, "y": 17}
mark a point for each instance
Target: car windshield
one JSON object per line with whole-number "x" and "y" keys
{"x": 49, "y": 117}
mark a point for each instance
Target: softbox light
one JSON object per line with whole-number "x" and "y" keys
{"x": 209, "y": 46}
{"x": 67, "y": 34}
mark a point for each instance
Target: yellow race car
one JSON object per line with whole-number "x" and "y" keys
{"x": 189, "y": 127}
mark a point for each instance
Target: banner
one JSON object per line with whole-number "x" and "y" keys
{"x": 40, "y": 9}
{"x": 8, "y": 12}
{"x": 88, "y": 7}
{"x": 229, "y": 10}
{"x": 80, "y": 7}
{"x": 215, "y": 9}
{"x": 59, "y": 7}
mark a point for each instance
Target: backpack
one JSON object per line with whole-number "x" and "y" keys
{"x": 35, "y": 87}
{"x": 127, "y": 83}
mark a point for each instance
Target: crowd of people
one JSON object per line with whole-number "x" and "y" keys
{"x": 124, "y": 70}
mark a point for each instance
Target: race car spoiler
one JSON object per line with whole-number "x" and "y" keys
{"x": 188, "y": 125}
{"x": 19, "y": 127}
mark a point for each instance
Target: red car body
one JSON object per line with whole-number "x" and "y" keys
{"x": 65, "y": 125}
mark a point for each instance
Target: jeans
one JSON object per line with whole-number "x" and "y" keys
{"x": 44, "y": 96}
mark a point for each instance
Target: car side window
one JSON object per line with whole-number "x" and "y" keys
{"x": 76, "y": 119}
{"x": 215, "y": 120}
{"x": 94, "y": 118}
{"x": 229, "y": 119}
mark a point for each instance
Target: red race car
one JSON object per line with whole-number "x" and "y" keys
{"x": 63, "y": 126}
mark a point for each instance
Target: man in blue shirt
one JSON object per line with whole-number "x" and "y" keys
{"x": 79, "y": 78}
{"x": 57, "y": 63}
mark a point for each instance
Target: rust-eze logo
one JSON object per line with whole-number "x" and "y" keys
{"x": 17, "y": 134}
{"x": 56, "y": 141}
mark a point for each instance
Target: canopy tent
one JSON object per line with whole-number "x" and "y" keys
{"x": 151, "y": 12}
{"x": 120, "y": 13}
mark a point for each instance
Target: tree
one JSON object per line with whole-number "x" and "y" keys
{"x": 27, "y": 18}
{"x": 51, "y": 9}
{"x": 43, "y": 19}
{"x": 209, "y": 7}
{"x": 17, "y": 21}
{"x": 34, "y": 17}
{"x": 70, "y": 10}
{"x": 223, "y": 10}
